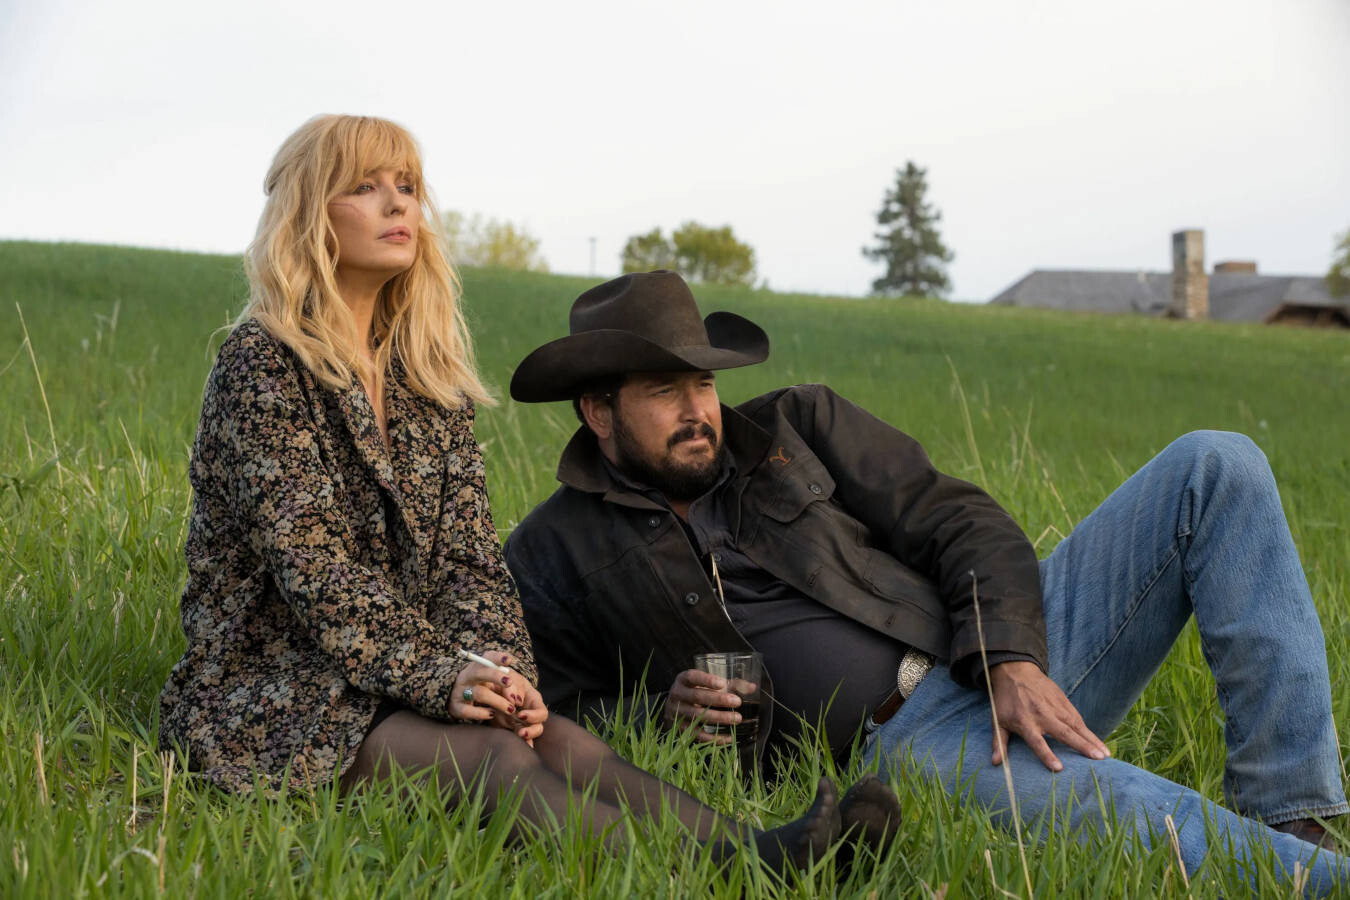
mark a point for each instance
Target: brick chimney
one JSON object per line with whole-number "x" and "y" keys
{"x": 1236, "y": 267}
{"x": 1190, "y": 284}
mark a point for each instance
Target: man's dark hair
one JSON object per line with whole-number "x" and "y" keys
{"x": 606, "y": 389}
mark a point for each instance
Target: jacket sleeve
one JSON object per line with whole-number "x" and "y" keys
{"x": 578, "y": 675}
{"x": 471, "y": 596}
{"x": 286, "y": 501}
{"x": 944, "y": 527}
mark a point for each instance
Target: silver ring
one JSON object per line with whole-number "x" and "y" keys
{"x": 467, "y": 695}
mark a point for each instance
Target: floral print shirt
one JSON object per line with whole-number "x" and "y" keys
{"x": 324, "y": 572}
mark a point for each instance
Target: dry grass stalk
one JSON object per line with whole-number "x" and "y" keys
{"x": 939, "y": 894}
{"x": 989, "y": 862}
{"x": 309, "y": 787}
{"x": 998, "y": 736}
{"x": 1176, "y": 851}
{"x": 41, "y": 769}
{"x": 1049, "y": 529}
{"x": 1068, "y": 519}
{"x": 160, "y": 855}
{"x": 131, "y": 817}
{"x": 1301, "y": 877}
{"x": 56, "y": 454}
{"x": 166, "y": 761}
{"x": 971, "y": 443}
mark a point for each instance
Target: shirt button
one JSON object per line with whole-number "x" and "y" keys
{"x": 691, "y": 598}
{"x": 815, "y": 488}
{"x": 653, "y": 521}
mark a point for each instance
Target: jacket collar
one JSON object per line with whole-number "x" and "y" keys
{"x": 405, "y": 419}
{"x": 582, "y": 464}
{"x": 359, "y": 418}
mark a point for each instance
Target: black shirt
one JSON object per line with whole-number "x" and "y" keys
{"x": 826, "y": 668}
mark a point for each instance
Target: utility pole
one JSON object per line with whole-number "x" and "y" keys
{"x": 592, "y": 256}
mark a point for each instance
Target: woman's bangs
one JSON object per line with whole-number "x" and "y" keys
{"x": 377, "y": 144}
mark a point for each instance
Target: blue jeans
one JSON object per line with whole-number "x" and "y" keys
{"x": 1198, "y": 531}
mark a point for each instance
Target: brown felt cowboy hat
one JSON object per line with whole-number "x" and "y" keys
{"x": 643, "y": 322}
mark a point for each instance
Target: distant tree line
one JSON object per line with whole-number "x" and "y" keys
{"x": 907, "y": 242}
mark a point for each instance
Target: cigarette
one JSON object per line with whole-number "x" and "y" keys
{"x": 469, "y": 654}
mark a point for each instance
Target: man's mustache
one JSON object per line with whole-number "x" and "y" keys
{"x": 689, "y": 432}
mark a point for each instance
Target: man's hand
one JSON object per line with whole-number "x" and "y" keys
{"x": 701, "y": 698}
{"x": 1030, "y": 704}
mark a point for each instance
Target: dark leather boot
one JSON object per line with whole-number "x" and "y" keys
{"x": 1312, "y": 831}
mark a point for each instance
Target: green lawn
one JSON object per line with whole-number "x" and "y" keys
{"x": 1048, "y": 411}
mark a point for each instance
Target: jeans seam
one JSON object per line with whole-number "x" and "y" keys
{"x": 1134, "y": 609}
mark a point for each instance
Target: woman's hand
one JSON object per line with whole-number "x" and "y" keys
{"x": 507, "y": 699}
{"x": 530, "y": 713}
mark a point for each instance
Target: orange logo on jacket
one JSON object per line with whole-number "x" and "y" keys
{"x": 780, "y": 458}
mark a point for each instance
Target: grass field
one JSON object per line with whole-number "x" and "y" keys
{"x": 1048, "y": 411}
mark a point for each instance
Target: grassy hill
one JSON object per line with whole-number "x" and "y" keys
{"x": 1048, "y": 411}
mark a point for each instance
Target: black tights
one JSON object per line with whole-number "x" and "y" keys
{"x": 462, "y": 757}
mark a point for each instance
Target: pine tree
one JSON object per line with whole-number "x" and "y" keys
{"x": 908, "y": 241}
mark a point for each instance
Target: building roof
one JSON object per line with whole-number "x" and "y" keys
{"x": 1233, "y": 296}
{"x": 1092, "y": 291}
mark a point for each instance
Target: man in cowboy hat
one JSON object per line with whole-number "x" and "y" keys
{"x": 885, "y": 595}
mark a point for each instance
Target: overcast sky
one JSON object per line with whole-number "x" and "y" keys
{"x": 1055, "y": 134}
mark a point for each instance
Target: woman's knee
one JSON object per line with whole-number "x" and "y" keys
{"x": 566, "y": 746}
{"x": 413, "y": 743}
{"x": 506, "y": 753}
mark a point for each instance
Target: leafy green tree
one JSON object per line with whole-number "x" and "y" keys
{"x": 713, "y": 255}
{"x": 1338, "y": 276}
{"x": 908, "y": 242}
{"x": 644, "y": 252}
{"x": 489, "y": 242}
{"x": 699, "y": 253}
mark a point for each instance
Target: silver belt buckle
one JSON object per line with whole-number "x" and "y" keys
{"x": 914, "y": 665}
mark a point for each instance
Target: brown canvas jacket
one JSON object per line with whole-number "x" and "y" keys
{"x": 829, "y": 498}
{"x": 325, "y": 573}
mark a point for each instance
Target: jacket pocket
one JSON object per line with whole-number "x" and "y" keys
{"x": 806, "y": 483}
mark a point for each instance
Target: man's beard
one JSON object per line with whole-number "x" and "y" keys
{"x": 677, "y": 481}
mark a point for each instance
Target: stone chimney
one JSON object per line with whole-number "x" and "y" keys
{"x": 1190, "y": 284}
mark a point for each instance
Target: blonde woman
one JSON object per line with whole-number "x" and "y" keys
{"x": 341, "y": 555}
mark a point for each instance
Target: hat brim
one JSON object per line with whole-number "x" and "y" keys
{"x": 558, "y": 369}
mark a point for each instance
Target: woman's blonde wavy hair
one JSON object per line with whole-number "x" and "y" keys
{"x": 292, "y": 265}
